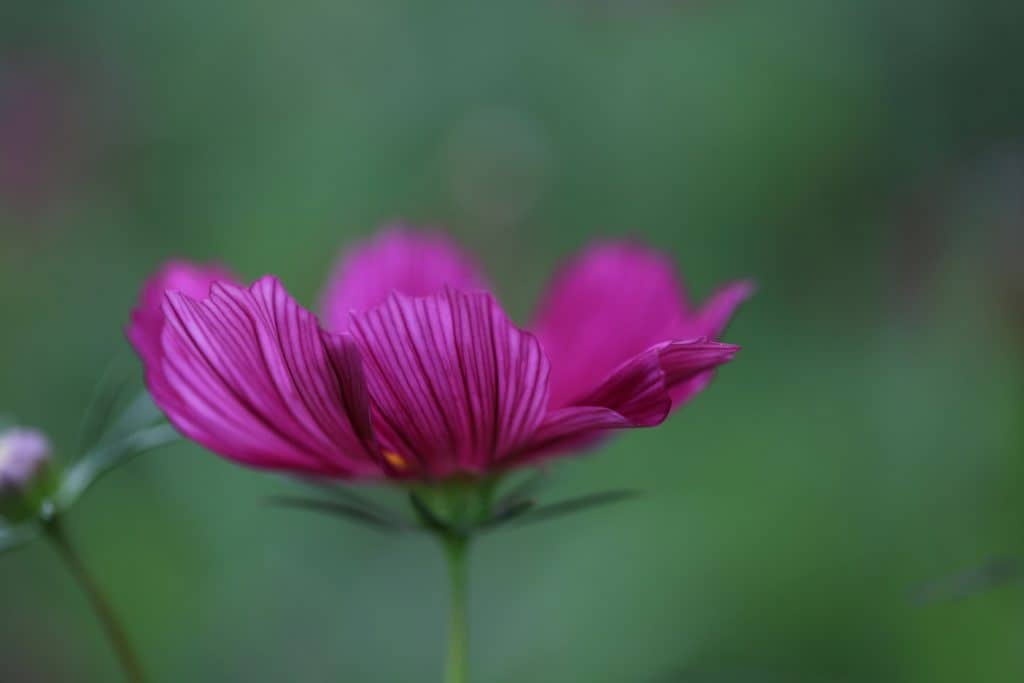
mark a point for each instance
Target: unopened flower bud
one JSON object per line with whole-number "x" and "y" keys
{"x": 25, "y": 473}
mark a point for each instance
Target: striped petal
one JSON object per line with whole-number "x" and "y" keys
{"x": 147, "y": 320}
{"x": 638, "y": 394}
{"x": 456, "y": 386}
{"x": 258, "y": 381}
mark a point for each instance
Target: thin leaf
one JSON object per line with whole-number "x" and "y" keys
{"x": 141, "y": 412}
{"x": 426, "y": 515}
{"x": 337, "y": 509}
{"x": 574, "y": 505}
{"x": 106, "y": 457}
{"x": 996, "y": 572}
{"x": 508, "y": 514}
{"x": 99, "y": 411}
{"x": 350, "y": 497}
{"x": 521, "y": 492}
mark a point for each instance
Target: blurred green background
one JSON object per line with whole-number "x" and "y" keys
{"x": 863, "y": 160}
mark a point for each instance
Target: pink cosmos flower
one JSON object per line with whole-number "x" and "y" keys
{"x": 418, "y": 373}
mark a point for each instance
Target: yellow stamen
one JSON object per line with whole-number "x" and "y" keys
{"x": 396, "y": 461}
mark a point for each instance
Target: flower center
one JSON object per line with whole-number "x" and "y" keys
{"x": 396, "y": 461}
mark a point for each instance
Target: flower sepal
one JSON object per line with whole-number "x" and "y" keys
{"x": 350, "y": 506}
{"x": 458, "y": 508}
{"x": 532, "y": 513}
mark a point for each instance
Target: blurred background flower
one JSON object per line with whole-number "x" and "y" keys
{"x": 867, "y": 440}
{"x": 24, "y": 457}
{"x": 36, "y": 133}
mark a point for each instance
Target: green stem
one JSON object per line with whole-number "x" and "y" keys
{"x": 456, "y": 550}
{"x": 115, "y": 632}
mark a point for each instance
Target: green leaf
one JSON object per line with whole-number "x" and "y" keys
{"x": 107, "y": 456}
{"x": 99, "y": 412}
{"x": 522, "y": 492}
{"x": 336, "y": 508}
{"x": 574, "y": 505}
{"x": 142, "y": 412}
{"x": 508, "y": 513}
{"x": 350, "y": 497}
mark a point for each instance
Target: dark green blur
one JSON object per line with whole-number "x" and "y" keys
{"x": 863, "y": 160}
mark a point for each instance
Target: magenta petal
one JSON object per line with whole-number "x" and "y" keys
{"x": 637, "y": 394}
{"x": 456, "y": 387}
{"x": 257, "y": 381}
{"x": 682, "y": 361}
{"x": 397, "y": 260}
{"x": 611, "y": 303}
{"x": 711, "y": 321}
{"x": 605, "y": 306}
{"x": 637, "y": 390}
{"x": 716, "y": 313}
{"x": 572, "y": 428}
{"x": 147, "y": 321}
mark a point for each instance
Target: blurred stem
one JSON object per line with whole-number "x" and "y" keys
{"x": 457, "y": 550}
{"x": 115, "y": 632}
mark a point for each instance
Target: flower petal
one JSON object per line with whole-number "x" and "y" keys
{"x": 609, "y": 304}
{"x": 455, "y": 385}
{"x": 605, "y": 306}
{"x": 683, "y": 360}
{"x": 397, "y": 260}
{"x": 147, "y": 320}
{"x": 259, "y": 382}
{"x": 716, "y": 313}
{"x": 572, "y": 428}
{"x": 637, "y": 394}
{"x": 711, "y": 321}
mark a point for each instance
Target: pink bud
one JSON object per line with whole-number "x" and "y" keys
{"x": 24, "y": 459}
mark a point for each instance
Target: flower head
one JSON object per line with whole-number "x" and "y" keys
{"x": 420, "y": 374}
{"x": 24, "y": 463}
